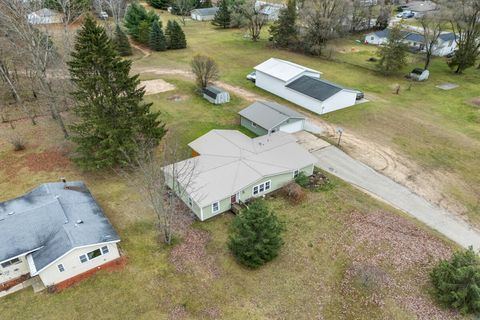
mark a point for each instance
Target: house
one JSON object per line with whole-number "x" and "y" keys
{"x": 445, "y": 45}
{"x": 229, "y": 168}
{"x": 302, "y": 86}
{"x": 56, "y": 234}
{"x": 270, "y": 10}
{"x": 204, "y": 14}
{"x": 265, "y": 117}
{"x": 216, "y": 95}
{"x": 45, "y": 16}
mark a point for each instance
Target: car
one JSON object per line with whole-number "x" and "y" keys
{"x": 408, "y": 15}
{"x": 360, "y": 95}
{"x": 252, "y": 76}
{"x": 103, "y": 15}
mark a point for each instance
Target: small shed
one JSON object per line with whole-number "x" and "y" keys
{"x": 204, "y": 14}
{"x": 419, "y": 74}
{"x": 45, "y": 16}
{"x": 216, "y": 95}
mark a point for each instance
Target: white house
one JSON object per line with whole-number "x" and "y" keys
{"x": 445, "y": 45}
{"x": 57, "y": 234}
{"x": 302, "y": 86}
{"x": 45, "y": 16}
{"x": 204, "y": 14}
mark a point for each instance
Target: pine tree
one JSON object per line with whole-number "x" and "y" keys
{"x": 393, "y": 54}
{"x": 284, "y": 31}
{"x": 160, "y": 4}
{"x": 175, "y": 36}
{"x": 138, "y": 22}
{"x": 157, "y": 38}
{"x": 457, "y": 281}
{"x": 112, "y": 117}
{"x": 121, "y": 43}
{"x": 256, "y": 236}
{"x": 223, "y": 16}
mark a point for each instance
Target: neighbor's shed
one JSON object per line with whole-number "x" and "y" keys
{"x": 216, "y": 95}
{"x": 204, "y": 14}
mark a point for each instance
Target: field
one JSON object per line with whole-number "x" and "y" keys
{"x": 346, "y": 255}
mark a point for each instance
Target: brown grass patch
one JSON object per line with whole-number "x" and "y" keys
{"x": 475, "y": 102}
{"x": 48, "y": 160}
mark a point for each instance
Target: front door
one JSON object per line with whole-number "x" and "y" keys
{"x": 233, "y": 199}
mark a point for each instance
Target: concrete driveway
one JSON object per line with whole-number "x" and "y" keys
{"x": 333, "y": 160}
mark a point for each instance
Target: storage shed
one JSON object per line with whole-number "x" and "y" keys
{"x": 216, "y": 95}
{"x": 204, "y": 14}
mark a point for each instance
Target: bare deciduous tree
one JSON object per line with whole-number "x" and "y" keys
{"x": 256, "y": 20}
{"x": 182, "y": 8}
{"x": 162, "y": 181}
{"x": 432, "y": 26}
{"x": 205, "y": 70}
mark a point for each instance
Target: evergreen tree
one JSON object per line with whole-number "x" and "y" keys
{"x": 112, "y": 117}
{"x": 393, "y": 54}
{"x": 160, "y": 4}
{"x": 157, "y": 38}
{"x": 284, "y": 31}
{"x": 175, "y": 36}
{"x": 256, "y": 235}
{"x": 121, "y": 43}
{"x": 144, "y": 31}
{"x": 138, "y": 22}
{"x": 222, "y": 17}
{"x": 457, "y": 281}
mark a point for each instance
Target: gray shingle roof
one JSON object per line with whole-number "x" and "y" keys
{"x": 316, "y": 88}
{"x": 206, "y": 11}
{"x": 415, "y": 37}
{"x": 269, "y": 114}
{"x": 47, "y": 217}
{"x": 448, "y": 36}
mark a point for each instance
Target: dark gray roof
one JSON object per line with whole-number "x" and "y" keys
{"x": 386, "y": 32}
{"x": 415, "y": 37}
{"x": 206, "y": 11}
{"x": 212, "y": 91}
{"x": 448, "y": 36}
{"x": 47, "y": 219}
{"x": 316, "y": 88}
{"x": 269, "y": 114}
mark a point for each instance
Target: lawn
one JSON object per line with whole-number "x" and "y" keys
{"x": 438, "y": 130}
{"x": 346, "y": 255}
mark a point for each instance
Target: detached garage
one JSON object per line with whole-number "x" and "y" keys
{"x": 303, "y": 86}
{"x": 204, "y": 14}
{"x": 265, "y": 117}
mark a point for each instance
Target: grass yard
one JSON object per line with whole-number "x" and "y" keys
{"x": 438, "y": 130}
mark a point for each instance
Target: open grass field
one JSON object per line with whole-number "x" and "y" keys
{"x": 346, "y": 255}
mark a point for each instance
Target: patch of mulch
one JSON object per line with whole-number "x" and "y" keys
{"x": 176, "y": 98}
{"x": 48, "y": 160}
{"x": 388, "y": 247}
{"x": 190, "y": 256}
{"x": 475, "y": 102}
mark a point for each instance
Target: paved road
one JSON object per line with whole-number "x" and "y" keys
{"x": 335, "y": 161}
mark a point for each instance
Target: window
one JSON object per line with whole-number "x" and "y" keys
{"x": 60, "y": 267}
{"x": 262, "y": 187}
{"x": 93, "y": 254}
{"x": 215, "y": 207}
{"x": 10, "y": 262}
{"x": 105, "y": 250}
{"x": 83, "y": 258}
{"x": 254, "y": 124}
{"x": 296, "y": 173}
{"x": 190, "y": 202}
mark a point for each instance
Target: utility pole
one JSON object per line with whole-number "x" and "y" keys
{"x": 340, "y": 132}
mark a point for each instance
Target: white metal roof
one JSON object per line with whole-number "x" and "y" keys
{"x": 283, "y": 70}
{"x": 229, "y": 161}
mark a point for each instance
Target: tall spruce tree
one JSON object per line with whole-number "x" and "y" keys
{"x": 138, "y": 22}
{"x": 160, "y": 4}
{"x": 284, "y": 31}
{"x": 175, "y": 36}
{"x": 256, "y": 235}
{"x": 157, "y": 38}
{"x": 394, "y": 53}
{"x": 223, "y": 16}
{"x": 121, "y": 43}
{"x": 112, "y": 117}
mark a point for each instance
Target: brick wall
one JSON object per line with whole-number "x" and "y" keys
{"x": 12, "y": 283}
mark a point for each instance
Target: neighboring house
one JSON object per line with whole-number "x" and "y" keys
{"x": 45, "y": 16}
{"x": 302, "y": 86}
{"x": 445, "y": 45}
{"x": 264, "y": 117}
{"x": 57, "y": 233}
{"x": 232, "y": 168}
{"x": 216, "y": 95}
{"x": 270, "y": 10}
{"x": 204, "y": 14}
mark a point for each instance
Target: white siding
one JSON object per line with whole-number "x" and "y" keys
{"x": 293, "y": 127}
{"x": 14, "y": 271}
{"x": 342, "y": 99}
{"x": 71, "y": 262}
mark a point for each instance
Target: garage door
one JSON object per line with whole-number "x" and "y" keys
{"x": 292, "y": 127}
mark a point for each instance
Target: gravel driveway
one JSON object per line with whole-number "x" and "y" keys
{"x": 333, "y": 160}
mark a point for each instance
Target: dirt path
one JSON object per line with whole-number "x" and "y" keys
{"x": 380, "y": 157}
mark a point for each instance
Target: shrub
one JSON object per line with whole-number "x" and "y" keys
{"x": 302, "y": 180}
{"x": 256, "y": 235}
{"x": 457, "y": 281}
{"x": 17, "y": 141}
{"x": 294, "y": 193}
